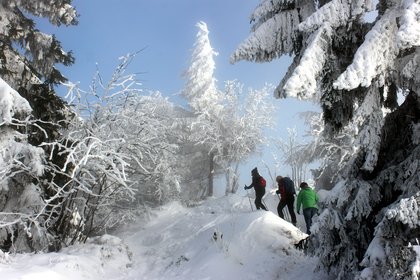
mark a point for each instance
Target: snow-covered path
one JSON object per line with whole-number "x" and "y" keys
{"x": 220, "y": 239}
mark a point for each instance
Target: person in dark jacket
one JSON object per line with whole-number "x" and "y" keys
{"x": 308, "y": 198}
{"x": 287, "y": 197}
{"x": 259, "y": 189}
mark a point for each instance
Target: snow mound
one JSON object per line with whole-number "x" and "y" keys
{"x": 103, "y": 257}
{"x": 219, "y": 239}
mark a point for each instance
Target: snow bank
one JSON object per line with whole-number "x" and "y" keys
{"x": 100, "y": 258}
{"x": 219, "y": 239}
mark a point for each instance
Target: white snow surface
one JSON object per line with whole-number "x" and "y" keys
{"x": 11, "y": 102}
{"x": 178, "y": 243}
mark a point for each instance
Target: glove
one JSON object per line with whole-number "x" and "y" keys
{"x": 277, "y": 192}
{"x": 245, "y": 188}
{"x": 298, "y": 212}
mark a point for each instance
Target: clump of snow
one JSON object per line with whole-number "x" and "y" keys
{"x": 336, "y": 13}
{"x": 302, "y": 82}
{"x": 4, "y": 257}
{"x": 416, "y": 265}
{"x": 373, "y": 57}
{"x": 11, "y": 102}
{"x": 374, "y": 254}
{"x": 407, "y": 212}
{"x": 409, "y": 32}
{"x": 260, "y": 47}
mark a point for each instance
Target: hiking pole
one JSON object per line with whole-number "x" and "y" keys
{"x": 247, "y": 194}
{"x": 284, "y": 211}
{"x": 263, "y": 202}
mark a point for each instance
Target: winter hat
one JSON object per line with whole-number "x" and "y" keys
{"x": 254, "y": 171}
{"x": 303, "y": 185}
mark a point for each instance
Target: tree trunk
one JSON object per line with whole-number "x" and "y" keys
{"x": 211, "y": 172}
{"x": 231, "y": 176}
{"x": 235, "y": 181}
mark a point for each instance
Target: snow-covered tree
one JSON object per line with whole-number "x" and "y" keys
{"x": 27, "y": 63}
{"x": 29, "y": 57}
{"x": 294, "y": 155}
{"x": 228, "y": 126}
{"x": 203, "y": 96}
{"x": 192, "y": 163}
{"x": 355, "y": 69}
{"x": 241, "y": 128}
{"x": 122, "y": 153}
{"x": 21, "y": 164}
{"x": 200, "y": 88}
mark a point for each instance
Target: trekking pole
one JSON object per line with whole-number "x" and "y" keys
{"x": 284, "y": 211}
{"x": 247, "y": 194}
{"x": 263, "y": 202}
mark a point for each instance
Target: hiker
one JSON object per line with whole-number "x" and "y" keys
{"x": 308, "y": 198}
{"x": 258, "y": 183}
{"x": 287, "y": 197}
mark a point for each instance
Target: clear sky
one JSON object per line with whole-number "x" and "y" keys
{"x": 166, "y": 30}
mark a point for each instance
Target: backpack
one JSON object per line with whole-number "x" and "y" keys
{"x": 289, "y": 187}
{"x": 262, "y": 182}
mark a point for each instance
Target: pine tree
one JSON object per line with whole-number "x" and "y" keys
{"x": 228, "y": 126}
{"x": 204, "y": 97}
{"x": 27, "y": 63}
{"x": 355, "y": 70}
{"x": 28, "y": 58}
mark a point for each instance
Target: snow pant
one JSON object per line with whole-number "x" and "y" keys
{"x": 258, "y": 203}
{"x": 289, "y": 202}
{"x": 308, "y": 213}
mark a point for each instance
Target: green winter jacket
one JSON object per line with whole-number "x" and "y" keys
{"x": 308, "y": 198}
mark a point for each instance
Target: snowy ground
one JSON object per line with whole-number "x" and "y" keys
{"x": 219, "y": 239}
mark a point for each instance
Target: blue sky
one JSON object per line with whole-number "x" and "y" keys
{"x": 166, "y": 31}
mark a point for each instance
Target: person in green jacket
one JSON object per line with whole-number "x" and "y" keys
{"x": 308, "y": 198}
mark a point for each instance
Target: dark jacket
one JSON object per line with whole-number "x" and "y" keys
{"x": 256, "y": 182}
{"x": 286, "y": 188}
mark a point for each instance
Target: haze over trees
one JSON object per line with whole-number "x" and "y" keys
{"x": 356, "y": 70}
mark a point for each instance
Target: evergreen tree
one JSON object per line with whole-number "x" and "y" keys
{"x": 27, "y": 63}
{"x": 28, "y": 56}
{"x": 228, "y": 126}
{"x": 356, "y": 69}
{"x": 204, "y": 97}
